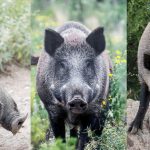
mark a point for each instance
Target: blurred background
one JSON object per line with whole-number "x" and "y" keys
{"x": 138, "y": 17}
{"x": 52, "y": 13}
{"x": 15, "y": 33}
{"x": 111, "y": 14}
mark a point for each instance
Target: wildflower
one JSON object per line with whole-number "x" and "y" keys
{"x": 104, "y": 103}
{"x": 117, "y": 61}
{"x": 110, "y": 74}
{"x": 118, "y": 52}
{"x": 123, "y": 61}
{"x": 118, "y": 57}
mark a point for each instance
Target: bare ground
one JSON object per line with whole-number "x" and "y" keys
{"x": 141, "y": 140}
{"x": 17, "y": 83}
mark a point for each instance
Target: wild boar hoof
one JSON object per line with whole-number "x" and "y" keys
{"x": 135, "y": 127}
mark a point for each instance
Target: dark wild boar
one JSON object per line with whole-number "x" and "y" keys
{"x": 144, "y": 77}
{"x": 10, "y": 117}
{"x": 72, "y": 80}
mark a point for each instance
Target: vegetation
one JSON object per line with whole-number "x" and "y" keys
{"x": 59, "y": 145}
{"x": 117, "y": 96}
{"x": 138, "y": 17}
{"x": 113, "y": 138}
{"x": 15, "y": 32}
{"x": 52, "y": 14}
{"x": 39, "y": 116}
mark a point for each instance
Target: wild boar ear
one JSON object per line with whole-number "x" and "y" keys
{"x": 52, "y": 41}
{"x": 96, "y": 40}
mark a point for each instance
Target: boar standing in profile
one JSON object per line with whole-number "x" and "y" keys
{"x": 10, "y": 117}
{"x": 144, "y": 77}
{"x": 73, "y": 79}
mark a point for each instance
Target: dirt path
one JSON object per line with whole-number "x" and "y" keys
{"x": 18, "y": 86}
{"x": 140, "y": 141}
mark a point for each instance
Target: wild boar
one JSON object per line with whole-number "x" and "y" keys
{"x": 144, "y": 77}
{"x": 10, "y": 117}
{"x": 73, "y": 79}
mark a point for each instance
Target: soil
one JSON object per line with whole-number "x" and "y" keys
{"x": 141, "y": 140}
{"x": 17, "y": 83}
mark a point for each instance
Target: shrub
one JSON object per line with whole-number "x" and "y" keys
{"x": 15, "y": 32}
{"x": 112, "y": 138}
{"x": 117, "y": 96}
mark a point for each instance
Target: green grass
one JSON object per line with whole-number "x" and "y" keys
{"x": 59, "y": 145}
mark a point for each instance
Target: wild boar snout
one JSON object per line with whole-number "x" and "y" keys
{"x": 17, "y": 123}
{"x": 77, "y": 105}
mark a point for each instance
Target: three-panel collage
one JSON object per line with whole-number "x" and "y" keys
{"x": 74, "y": 74}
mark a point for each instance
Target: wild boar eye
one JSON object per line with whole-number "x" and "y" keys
{"x": 89, "y": 63}
{"x": 62, "y": 65}
{"x": 61, "y": 70}
{"x": 89, "y": 68}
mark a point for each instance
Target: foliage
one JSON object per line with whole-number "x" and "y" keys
{"x": 96, "y": 12}
{"x": 59, "y": 145}
{"x": 15, "y": 32}
{"x": 117, "y": 96}
{"x": 112, "y": 138}
{"x": 117, "y": 133}
{"x": 138, "y": 17}
{"x": 39, "y": 117}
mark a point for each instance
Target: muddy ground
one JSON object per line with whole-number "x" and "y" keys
{"x": 17, "y": 83}
{"x": 140, "y": 141}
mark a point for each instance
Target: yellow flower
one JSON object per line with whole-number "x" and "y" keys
{"x": 110, "y": 74}
{"x": 118, "y": 57}
{"x": 118, "y": 52}
{"x": 104, "y": 103}
{"x": 117, "y": 61}
{"x": 123, "y": 61}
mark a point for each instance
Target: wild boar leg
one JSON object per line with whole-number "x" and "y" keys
{"x": 83, "y": 138}
{"x": 144, "y": 103}
{"x": 97, "y": 126}
{"x": 73, "y": 132}
{"x": 58, "y": 127}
